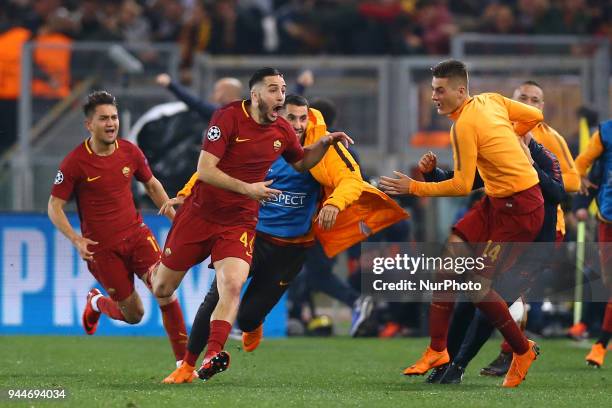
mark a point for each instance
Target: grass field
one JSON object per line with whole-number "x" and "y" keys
{"x": 126, "y": 372}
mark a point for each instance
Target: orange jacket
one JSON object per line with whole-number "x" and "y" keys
{"x": 11, "y": 44}
{"x": 360, "y": 215}
{"x": 52, "y": 55}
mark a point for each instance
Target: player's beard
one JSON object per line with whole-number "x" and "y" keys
{"x": 264, "y": 110}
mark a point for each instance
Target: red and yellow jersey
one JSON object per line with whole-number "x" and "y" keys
{"x": 484, "y": 136}
{"x": 102, "y": 187}
{"x": 554, "y": 142}
{"x": 246, "y": 150}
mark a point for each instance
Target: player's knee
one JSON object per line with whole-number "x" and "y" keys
{"x": 162, "y": 289}
{"x": 133, "y": 316}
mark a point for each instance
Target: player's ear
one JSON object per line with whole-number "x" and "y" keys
{"x": 88, "y": 124}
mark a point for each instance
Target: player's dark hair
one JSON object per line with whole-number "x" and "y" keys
{"x": 452, "y": 69}
{"x": 532, "y": 83}
{"x": 297, "y": 100}
{"x": 97, "y": 98}
{"x": 327, "y": 109}
{"x": 260, "y": 74}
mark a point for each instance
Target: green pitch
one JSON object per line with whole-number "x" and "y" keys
{"x": 126, "y": 372}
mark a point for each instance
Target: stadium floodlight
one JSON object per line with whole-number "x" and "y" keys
{"x": 125, "y": 59}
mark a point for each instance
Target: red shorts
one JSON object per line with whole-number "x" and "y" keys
{"x": 115, "y": 266}
{"x": 492, "y": 222}
{"x": 192, "y": 239}
{"x": 605, "y": 246}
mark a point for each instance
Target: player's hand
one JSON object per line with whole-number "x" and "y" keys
{"x": 582, "y": 214}
{"x": 396, "y": 186}
{"x": 335, "y": 137}
{"x": 163, "y": 80}
{"x": 261, "y": 192}
{"x": 585, "y": 184}
{"x": 306, "y": 78}
{"x": 327, "y": 216}
{"x": 167, "y": 208}
{"x": 81, "y": 245}
{"x": 428, "y": 163}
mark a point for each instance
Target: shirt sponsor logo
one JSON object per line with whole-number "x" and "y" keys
{"x": 126, "y": 171}
{"x": 213, "y": 134}
{"x": 277, "y": 145}
{"x": 288, "y": 199}
{"x": 59, "y": 177}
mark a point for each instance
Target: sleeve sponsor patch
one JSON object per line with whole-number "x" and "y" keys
{"x": 59, "y": 177}
{"x": 213, "y": 134}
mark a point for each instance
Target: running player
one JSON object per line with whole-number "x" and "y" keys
{"x": 531, "y": 93}
{"x": 115, "y": 243}
{"x": 219, "y": 217}
{"x": 600, "y": 146}
{"x": 284, "y": 230}
{"x": 484, "y": 137}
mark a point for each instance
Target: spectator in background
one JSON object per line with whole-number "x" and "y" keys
{"x": 539, "y": 17}
{"x": 499, "y": 19}
{"x": 169, "y": 21}
{"x": 437, "y": 24}
{"x": 195, "y": 35}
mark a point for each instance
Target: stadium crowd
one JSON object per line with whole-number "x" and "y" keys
{"x": 347, "y": 27}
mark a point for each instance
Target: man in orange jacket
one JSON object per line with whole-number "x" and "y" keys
{"x": 350, "y": 210}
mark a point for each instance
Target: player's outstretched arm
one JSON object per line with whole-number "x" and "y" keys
{"x": 157, "y": 193}
{"x": 315, "y": 152}
{"x": 208, "y": 172}
{"x": 55, "y": 210}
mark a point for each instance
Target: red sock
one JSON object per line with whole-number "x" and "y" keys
{"x": 174, "y": 324}
{"x": 439, "y": 318}
{"x": 110, "y": 308}
{"x": 190, "y": 358}
{"x": 505, "y": 347}
{"x": 219, "y": 331}
{"x": 496, "y": 310}
{"x": 607, "y": 321}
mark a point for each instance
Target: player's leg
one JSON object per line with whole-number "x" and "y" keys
{"x": 461, "y": 320}
{"x": 274, "y": 268}
{"x": 598, "y": 352}
{"x": 110, "y": 271}
{"x": 440, "y": 312}
{"x": 143, "y": 254}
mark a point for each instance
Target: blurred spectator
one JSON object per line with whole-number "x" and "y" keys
{"x": 499, "y": 19}
{"x": 437, "y": 23}
{"x": 539, "y": 17}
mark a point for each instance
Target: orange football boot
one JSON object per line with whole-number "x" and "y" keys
{"x": 430, "y": 359}
{"x": 183, "y": 374}
{"x": 596, "y": 357}
{"x": 251, "y": 340}
{"x": 520, "y": 365}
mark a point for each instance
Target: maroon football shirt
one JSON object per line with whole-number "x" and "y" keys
{"x": 102, "y": 189}
{"x": 246, "y": 151}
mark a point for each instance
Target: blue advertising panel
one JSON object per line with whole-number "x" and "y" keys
{"x": 44, "y": 283}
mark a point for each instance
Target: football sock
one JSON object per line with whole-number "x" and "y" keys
{"x": 172, "y": 317}
{"x": 439, "y": 316}
{"x": 110, "y": 308}
{"x": 219, "y": 331}
{"x": 606, "y": 327}
{"x": 496, "y": 311}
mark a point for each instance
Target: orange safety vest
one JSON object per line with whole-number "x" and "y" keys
{"x": 52, "y": 55}
{"x": 11, "y": 44}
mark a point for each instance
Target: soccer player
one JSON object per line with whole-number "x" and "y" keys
{"x": 469, "y": 329}
{"x": 600, "y": 146}
{"x": 484, "y": 137}
{"x": 115, "y": 242}
{"x": 219, "y": 217}
{"x": 285, "y": 230}
{"x": 531, "y": 93}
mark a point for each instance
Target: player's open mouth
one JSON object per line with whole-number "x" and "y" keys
{"x": 110, "y": 131}
{"x": 276, "y": 110}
